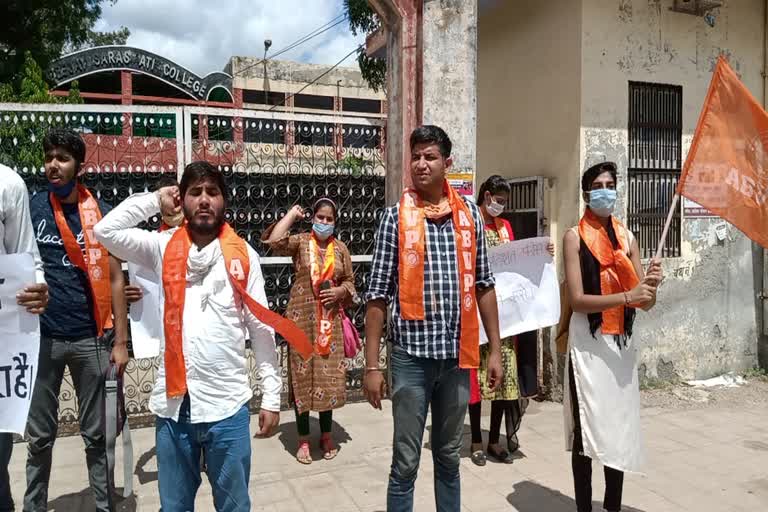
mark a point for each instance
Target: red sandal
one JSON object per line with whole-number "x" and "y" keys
{"x": 303, "y": 454}
{"x": 329, "y": 448}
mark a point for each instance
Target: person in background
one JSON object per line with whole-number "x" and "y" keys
{"x": 606, "y": 285}
{"x": 213, "y": 292}
{"x": 17, "y": 236}
{"x": 506, "y": 402}
{"x": 323, "y": 285}
{"x": 85, "y": 326}
{"x": 430, "y": 263}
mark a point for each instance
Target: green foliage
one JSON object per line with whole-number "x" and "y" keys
{"x": 363, "y": 20}
{"x": 374, "y": 70}
{"x": 118, "y": 37}
{"x": 74, "y": 98}
{"x": 756, "y": 374}
{"x": 45, "y": 28}
{"x": 21, "y": 135}
{"x": 353, "y": 163}
{"x": 33, "y": 87}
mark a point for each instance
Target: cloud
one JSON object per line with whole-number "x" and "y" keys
{"x": 202, "y": 35}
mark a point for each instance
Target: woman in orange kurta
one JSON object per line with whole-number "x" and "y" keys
{"x": 323, "y": 283}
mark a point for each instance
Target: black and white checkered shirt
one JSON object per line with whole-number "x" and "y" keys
{"x": 437, "y": 336}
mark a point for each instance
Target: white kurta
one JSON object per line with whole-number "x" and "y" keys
{"x": 608, "y": 392}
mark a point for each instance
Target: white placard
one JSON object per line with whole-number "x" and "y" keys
{"x": 527, "y": 291}
{"x": 145, "y": 317}
{"x": 19, "y": 343}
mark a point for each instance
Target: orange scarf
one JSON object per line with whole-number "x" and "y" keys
{"x": 501, "y": 230}
{"x": 324, "y": 316}
{"x": 95, "y": 263}
{"x": 237, "y": 263}
{"x": 167, "y": 227}
{"x": 617, "y": 273}
{"x": 412, "y": 245}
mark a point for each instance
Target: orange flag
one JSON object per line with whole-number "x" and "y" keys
{"x": 727, "y": 166}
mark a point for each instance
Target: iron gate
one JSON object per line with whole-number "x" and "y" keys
{"x": 271, "y": 161}
{"x": 525, "y": 212}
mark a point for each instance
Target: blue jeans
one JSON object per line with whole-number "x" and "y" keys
{"x": 418, "y": 383}
{"x": 227, "y": 445}
{"x": 6, "y": 447}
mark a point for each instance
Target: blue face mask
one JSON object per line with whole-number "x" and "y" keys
{"x": 62, "y": 191}
{"x": 322, "y": 231}
{"x": 602, "y": 201}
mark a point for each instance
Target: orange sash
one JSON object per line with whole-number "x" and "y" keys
{"x": 411, "y": 265}
{"x": 325, "y": 316}
{"x": 95, "y": 263}
{"x": 617, "y": 273}
{"x": 501, "y": 229}
{"x": 237, "y": 263}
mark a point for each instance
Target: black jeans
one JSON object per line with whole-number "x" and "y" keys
{"x": 582, "y": 466}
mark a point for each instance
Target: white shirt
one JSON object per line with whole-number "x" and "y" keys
{"x": 16, "y": 230}
{"x": 214, "y": 321}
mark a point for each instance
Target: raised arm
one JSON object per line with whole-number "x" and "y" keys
{"x": 278, "y": 235}
{"x": 117, "y": 231}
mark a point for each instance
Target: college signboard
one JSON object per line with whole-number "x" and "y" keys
{"x": 111, "y": 58}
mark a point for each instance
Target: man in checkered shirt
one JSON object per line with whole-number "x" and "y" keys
{"x": 425, "y": 357}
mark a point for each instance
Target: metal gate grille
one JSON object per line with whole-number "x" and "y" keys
{"x": 655, "y": 160}
{"x": 271, "y": 161}
{"x": 525, "y": 209}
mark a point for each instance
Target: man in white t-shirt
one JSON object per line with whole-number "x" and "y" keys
{"x": 16, "y": 236}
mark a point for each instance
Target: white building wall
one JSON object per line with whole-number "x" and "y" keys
{"x": 706, "y": 320}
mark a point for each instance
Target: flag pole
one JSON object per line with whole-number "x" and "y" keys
{"x": 671, "y": 214}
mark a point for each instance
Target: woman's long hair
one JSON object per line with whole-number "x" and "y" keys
{"x": 590, "y": 267}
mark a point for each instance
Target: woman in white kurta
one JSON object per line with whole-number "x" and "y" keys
{"x": 602, "y": 398}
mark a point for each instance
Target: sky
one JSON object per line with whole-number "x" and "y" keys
{"x": 202, "y": 35}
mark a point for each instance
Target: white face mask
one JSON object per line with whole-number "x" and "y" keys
{"x": 493, "y": 208}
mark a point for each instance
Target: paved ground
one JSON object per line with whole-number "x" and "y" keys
{"x": 703, "y": 456}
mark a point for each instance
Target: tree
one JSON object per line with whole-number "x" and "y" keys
{"x": 20, "y": 135}
{"x": 45, "y": 28}
{"x": 95, "y": 38}
{"x": 363, "y": 20}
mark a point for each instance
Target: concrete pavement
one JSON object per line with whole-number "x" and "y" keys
{"x": 702, "y": 459}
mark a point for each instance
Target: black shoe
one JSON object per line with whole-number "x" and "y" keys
{"x": 478, "y": 458}
{"x": 504, "y": 456}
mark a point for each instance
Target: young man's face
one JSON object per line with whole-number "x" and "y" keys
{"x": 428, "y": 167}
{"x": 60, "y": 166}
{"x": 203, "y": 206}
